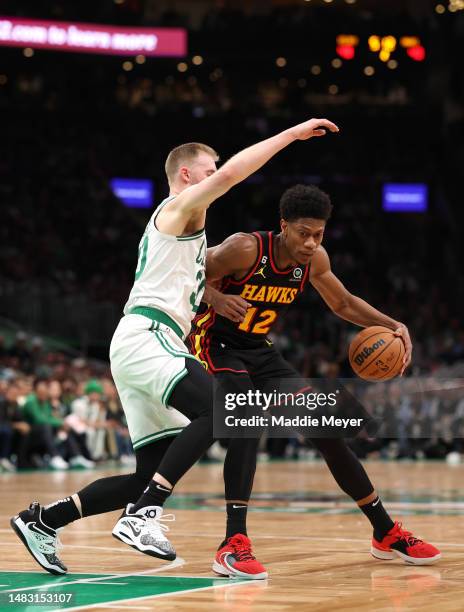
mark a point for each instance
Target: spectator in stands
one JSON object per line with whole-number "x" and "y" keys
{"x": 14, "y": 431}
{"x": 89, "y": 413}
{"x": 38, "y": 413}
{"x": 6, "y": 431}
{"x": 73, "y": 444}
{"x": 118, "y": 435}
{"x": 25, "y": 385}
{"x": 59, "y": 408}
{"x": 68, "y": 395}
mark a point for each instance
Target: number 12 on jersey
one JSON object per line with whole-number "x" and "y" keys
{"x": 261, "y": 321}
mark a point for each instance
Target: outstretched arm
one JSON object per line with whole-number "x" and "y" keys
{"x": 350, "y": 307}
{"x": 197, "y": 198}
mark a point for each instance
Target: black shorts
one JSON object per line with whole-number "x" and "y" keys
{"x": 264, "y": 369}
{"x": 253, "y": 367}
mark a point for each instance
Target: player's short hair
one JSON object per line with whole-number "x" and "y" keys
{"x": 305, "y": 201}
{"x": 186, "y": 153}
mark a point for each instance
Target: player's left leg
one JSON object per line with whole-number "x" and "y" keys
{"x": 37, "y": 526}
{"x": 150, "y": 362}
{"x": 389, "y": 538}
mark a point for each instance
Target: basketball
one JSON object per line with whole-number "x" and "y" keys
{"x": 376, "y": 353}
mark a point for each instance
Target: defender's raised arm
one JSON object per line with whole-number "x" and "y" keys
{"x": 192, "y": 199}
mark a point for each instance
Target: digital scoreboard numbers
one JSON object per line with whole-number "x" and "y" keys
{"x": 383, "y": 46}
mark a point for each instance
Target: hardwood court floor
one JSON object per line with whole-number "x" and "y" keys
{"x": 311, "y": 538}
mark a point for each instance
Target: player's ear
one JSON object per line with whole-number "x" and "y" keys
{"x": 184, "y": 174}
{"x": 283, "y": 225}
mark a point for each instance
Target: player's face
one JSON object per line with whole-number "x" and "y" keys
{"x": 202, "y": 167}
{"x": 302, "y": 238}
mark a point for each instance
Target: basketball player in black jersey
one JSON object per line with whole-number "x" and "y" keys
{"x": 261, "y": 274}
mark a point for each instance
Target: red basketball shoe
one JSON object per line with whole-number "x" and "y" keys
{"x": 406, "y": 546}
{"x": 236, "y": 558}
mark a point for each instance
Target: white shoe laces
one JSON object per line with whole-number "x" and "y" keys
{"x": 155, "y": 526}
{"x": 48, "y": 545}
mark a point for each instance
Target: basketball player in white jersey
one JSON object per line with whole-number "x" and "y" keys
{"x": 166, "y": 394}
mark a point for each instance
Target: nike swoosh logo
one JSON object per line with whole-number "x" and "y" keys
{"x": 223, "y": 557}
{"x": 33, "y": 527}
{"x": 134, "y": 530}
{"x": 376, "y": 502}
{"x": 224, "y": 560}
{"x": 234, "y": 506}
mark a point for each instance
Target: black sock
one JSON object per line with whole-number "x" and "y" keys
{"x": 236, "y": 519}
{"x": 154, "y": 495}
{"x": 60, "y": 513}
{"x": 378, "y": 517}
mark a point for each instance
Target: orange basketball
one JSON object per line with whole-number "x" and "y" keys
{"x": 376, "y": 353}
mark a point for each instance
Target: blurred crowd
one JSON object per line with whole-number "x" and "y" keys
{"x": 56, "y": 411}
{"x": 62, "y": 412}
{"x": 411, "y": 418}
{"x": 72, "y": 122}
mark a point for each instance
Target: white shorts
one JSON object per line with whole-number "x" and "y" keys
{"x": 147, "y": 361}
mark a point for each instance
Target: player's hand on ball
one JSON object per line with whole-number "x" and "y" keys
{"x": 232, "y": 307}
{"x": 312, "y": 128}
{"x": 403, "y": 333}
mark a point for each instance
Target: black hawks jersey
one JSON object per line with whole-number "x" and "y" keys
{"x": 270, "y": 292}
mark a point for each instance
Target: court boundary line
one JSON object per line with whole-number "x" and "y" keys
{"x": 228, "y": 582}
{"x": 176, "y": 563}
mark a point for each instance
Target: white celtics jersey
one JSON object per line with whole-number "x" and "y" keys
{"x": 170, "y": 274}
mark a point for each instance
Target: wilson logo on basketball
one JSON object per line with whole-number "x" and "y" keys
{"x": 368, "y": 350}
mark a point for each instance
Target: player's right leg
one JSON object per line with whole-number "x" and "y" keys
{"x": 234, "y": 557}
{"x": 389, "y": 539}
{"x": 150, "y": 362}
{"x": 193, "y": 397}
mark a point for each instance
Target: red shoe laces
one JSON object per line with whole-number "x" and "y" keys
{"x": 242, "y": 551}
{"x": 407, "y": 536}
